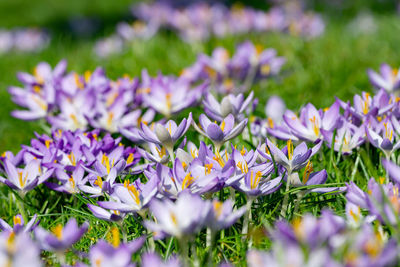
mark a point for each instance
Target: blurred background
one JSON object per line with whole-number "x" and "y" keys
{"x": 358, "y": 34}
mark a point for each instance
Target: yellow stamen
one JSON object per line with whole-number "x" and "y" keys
{"x": 42, "y": 104}
{"x": 161, "y": 152}
{"x": 307, "y": 171}
{"x": 17, "y": 220}
{"x": 87, "y": 75}
{"x": 193, "y": 152}
{"x": 74, "y": 120}
{"x": 184, "y": 165}
{"x": 22, "y": 181}
{"x": 222, "y": 125}
{"x": 168, "y": 100}
{"x": 254, "y": 182}
{"x": 115, "y": 238}
{"x": 187, "y": 181}
{"x": 47, "y": 143}
{"x": 243, "y": 167}
{"x": 71, "y": 158}
{"x": 130, "y": 158}
{"x": 265, "y": 69}
{"x": 365, "y": 104}
{"x": 58, "y": 231}
{"x": 110, "y": 118}
{"x": 270, "y": 123}
{"x": 219, "y": 159}
{"x": 133, "y": 192}
{"x": 72, "y": 182}
{"x": 99, "y": 182}
{"x": 78, "y": 81}
{"x": 243, "y": 151}
{"x": 173, "y": 218}
{"x": 315, "y": 125}
{"x": 218, "y": 208}
{"x": 208, "y": 168}
{"x": 290, "y": 149}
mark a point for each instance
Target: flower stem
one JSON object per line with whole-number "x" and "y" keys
{"x": 21, "y": 207}
{"x": 286, "y": 197}
{"x": 300, "y": 196}
{"x": 184, "y": 249}
{"x": 247, "y": 218}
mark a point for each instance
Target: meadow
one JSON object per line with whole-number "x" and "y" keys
{"x": 332, "y": 205}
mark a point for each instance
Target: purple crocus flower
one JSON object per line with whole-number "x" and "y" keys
{"x": 392, "y": 169}
{"x": 177, "y": 219}
{"x": 223, "y": 216}
{"x": 388, "y": 79}
{"x": 384, "y": 138}
{"x": 219, "y": 134}
{"x": 151, "y": 259}
{"x": 347, "y": 138}
{"x": 230, "y": 104}
{"x": 19, "y": 224}
{"x": 165, "y": 134}
{"x": 105, "y": 214}
{"x": 169, "y": 95}
{"x": 308, "y": 126}
{"x": 131, "y": 197}
{"x": 296, "y": 159}
{"x": 274, "y": 109}
{"x": 70, "y": 183}
{"x": 131, "y": 130}
{"x": 19, "y": 250}
{"x": 25, "y": 179}
{"x": 60, "y": 238}
{"x": 104, "y": 254}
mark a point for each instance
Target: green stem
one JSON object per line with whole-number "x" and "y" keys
{"x": 21, "y": 207}
{"x": 286, "y": 197}
{"x": 247, "y": 218}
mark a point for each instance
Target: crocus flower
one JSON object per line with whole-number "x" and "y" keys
{"x": 308, "y": 126}
{"x": 254, "y": 184}
{"x": 19, "y": 250}
{"x": 296, "y": 159}
{"x": 384, "y": 140}
{"x": 165, "y": 134}
{"x": 104, "y": 254}
{"x": 60, "y": 238}
{"x": 230, "y": 104}
{"x": 70, "y": 183}
{"x": 177, "y": 219}
{"x": 131, "y": 197}
{"x": 274, "y": 109}
{"x": 388, "y": 79}
{"x": 219, "y": 134}
{"x": 19, "y": 224}
{"x": 151, "y": 259}
{"x": 25, "y": 179}
{"x": 392, "y": 169}
{"x": 105, "y": 214}
{"x": 223, "y": 216}
{"x": 169, "y": 96}
{"x": 347, "y": 138}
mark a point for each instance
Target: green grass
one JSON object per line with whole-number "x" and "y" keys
{"x": 333, "y": 65}
{"x": 317, "y": 70}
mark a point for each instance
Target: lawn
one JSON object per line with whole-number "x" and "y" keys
{"x": 317, "y": 70}
{"x": 334, "y": 64}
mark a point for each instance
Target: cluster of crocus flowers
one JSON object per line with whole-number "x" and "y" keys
{"x": 23, "y": 40}
{"x": 232, "y": 74}
{"x": 326, "y": 241}
{"x": 70, "y": 101}
{"x": 371, "y": 119}
{"x": 199, "y": 21}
